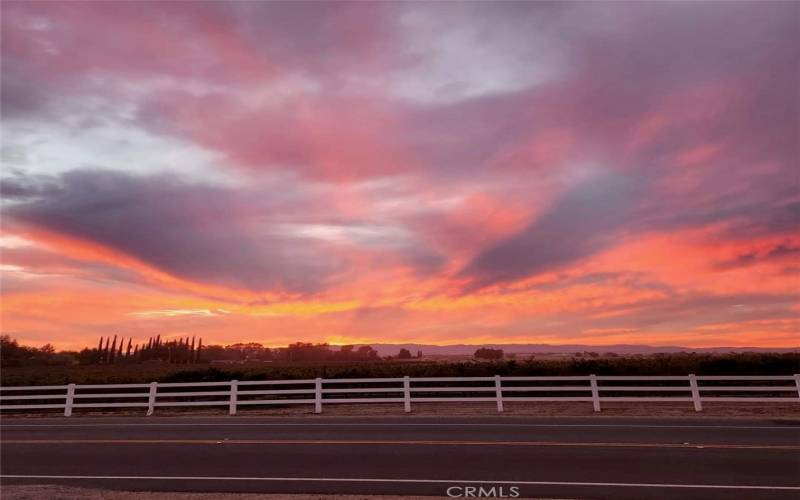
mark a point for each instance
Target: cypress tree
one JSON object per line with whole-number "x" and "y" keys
{"x": 112, "y": 352}
{"x": 100, "y": 354}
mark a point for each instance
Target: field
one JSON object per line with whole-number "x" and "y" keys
{"x": 679, "y": 364}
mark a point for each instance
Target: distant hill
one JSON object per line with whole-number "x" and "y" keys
{"x": 468, "y": 349}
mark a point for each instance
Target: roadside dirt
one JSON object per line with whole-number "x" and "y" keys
{"x": 50, "y": 492}
{"x": 715, "y": 410}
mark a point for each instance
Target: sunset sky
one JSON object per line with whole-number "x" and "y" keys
{"x": 401, "y": 172}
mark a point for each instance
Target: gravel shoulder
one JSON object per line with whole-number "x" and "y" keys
{"x": 53, "y": 492}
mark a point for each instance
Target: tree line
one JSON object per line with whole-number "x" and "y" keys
{"x": 182, "y": 350}
{"x": 116, "y": 350}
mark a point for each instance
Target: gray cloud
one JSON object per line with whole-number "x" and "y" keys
{"x": 586, "y": 219}
{"x": 782, "y": 252}
{"x": 196, "y": 232}
{"x": 268, "y": 238}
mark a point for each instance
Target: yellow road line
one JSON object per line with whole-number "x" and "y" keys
{"x": 424, "y": 443}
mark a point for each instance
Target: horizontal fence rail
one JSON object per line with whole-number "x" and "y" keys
{"x": 695, "y": 389}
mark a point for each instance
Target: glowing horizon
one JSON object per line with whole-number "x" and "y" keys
{"x": 431, "y": 173}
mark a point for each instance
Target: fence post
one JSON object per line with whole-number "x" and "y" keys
{"x": 797, "y": 383}
{"x": 234, "y": 397}
{"x": 407, "y": 394}
{"x": 595, "y": 392}
{"x": 698, "y": 405}
{"x": 69, "y": 401}
{"x": 151, "y": 398}
{"x": 318, "y": 395}
{"x": 498, "y": 392}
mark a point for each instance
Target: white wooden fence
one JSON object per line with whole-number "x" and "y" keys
{"x": 318, "y": 392}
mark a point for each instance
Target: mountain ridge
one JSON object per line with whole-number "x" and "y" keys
{"x": 468, "y": 349}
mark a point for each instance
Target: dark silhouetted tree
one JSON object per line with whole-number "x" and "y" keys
{"x": 487, "y": 353}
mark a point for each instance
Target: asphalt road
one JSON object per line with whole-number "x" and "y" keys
{"x": 608, "y": 458}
